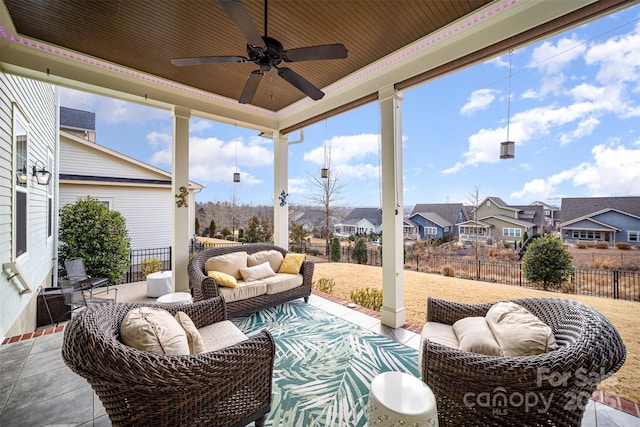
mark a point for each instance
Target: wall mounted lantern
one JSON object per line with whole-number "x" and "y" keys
{"x": 21, "y": 176}
{"x": 43, "y": 176}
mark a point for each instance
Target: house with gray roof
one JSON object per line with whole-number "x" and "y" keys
{"x": 140, "y": 192}
{"x": 360, "y": 221}
{"x": 438, "y": 220}
{"x": 494, "y": 218}
{"x": 598, "y": 219}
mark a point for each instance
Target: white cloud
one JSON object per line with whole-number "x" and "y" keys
{"x": 614, "y": 171}
{"x": 355, "y": 157}
{"x": 197, "y": 126}
{"x": 584, "y": 128}
{"x": 552, "y": 59}
{"x": 479, "y": 100}
{"x": 213, "y": 160}
{"x": 110, "y": 110}
{"x": 618, "y": 58}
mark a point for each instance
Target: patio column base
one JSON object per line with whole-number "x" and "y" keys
{"x": 393, "y": 318}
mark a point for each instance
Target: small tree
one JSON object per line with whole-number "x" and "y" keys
{"x": 225, "y": 232}
{"x": 359, "y": 253}
{"x": 297, "y": 233}
{"x": 335, "y": 249}
{"x": 212, "y": 228}
{"x": 197, "y": 226}
{"x": 547, "y": 261}
{"x": 89, "y": 230}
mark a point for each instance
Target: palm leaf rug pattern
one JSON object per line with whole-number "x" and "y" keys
{"x": 324, "y": 365}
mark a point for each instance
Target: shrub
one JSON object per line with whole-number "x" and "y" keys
{"x": 447, "y": 271}
{"x": 151, "y": 265}
{"x": 601, "y": 245}
{"x": 368, "y": 297}
{"x": 547, "y": 262}
{"x": 335, "y": 249}
{"x": 359, "y": 254}
{"x": 624, "y": 246}
{"x": 324, "y": 285}
{"x": 230, "y": 237}
{"x": 602, "y": 263}
{"x": 581, "y": 245}
{"x": 89, "y": 230}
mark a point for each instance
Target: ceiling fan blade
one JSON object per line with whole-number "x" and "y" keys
{"x": 251, "y": 86}
{"x": 243, "y": 22}
{"x": 327, "y": 51}
{"x": 202, "y": 60}
{"x": 301, "y": 83}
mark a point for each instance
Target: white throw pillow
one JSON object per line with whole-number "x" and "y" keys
{"x": 154, "y": 330}
{"x": 273, "y": 256}
{"x": 257, "y": 272}
{"x": 518, "y": 331}
{"x": 474, "y": 335}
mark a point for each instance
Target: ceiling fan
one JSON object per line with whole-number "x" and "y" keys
{"x": 267, "y": 53}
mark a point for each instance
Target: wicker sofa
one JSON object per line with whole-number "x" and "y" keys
{"x": 551, "y": 388}
{"x": 227, "y": 387}
{"x": 204, "y": 287}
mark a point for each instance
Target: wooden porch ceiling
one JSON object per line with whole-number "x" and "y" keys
{"x": 144, "y": 35}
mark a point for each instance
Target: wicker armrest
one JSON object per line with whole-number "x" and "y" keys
{"x": 449, "y": 312}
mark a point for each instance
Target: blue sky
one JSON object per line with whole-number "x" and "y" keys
{"x": 574, "y": 115}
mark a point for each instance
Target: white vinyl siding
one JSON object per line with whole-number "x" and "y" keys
{"x": 36, "y": 102}
{"x": 147, "y": 210}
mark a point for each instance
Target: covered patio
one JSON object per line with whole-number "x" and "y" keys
{"x": 125, "y": 50}
{"x": 41, "y": 390}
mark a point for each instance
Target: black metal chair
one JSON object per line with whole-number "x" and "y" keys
{"x": 77, "y": 275}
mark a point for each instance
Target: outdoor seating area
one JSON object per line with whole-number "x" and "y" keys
{"x": 50, "y": 393}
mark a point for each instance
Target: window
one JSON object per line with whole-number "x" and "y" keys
{"x": 586, "y": 234}
{"x": 633, "y": 236}
{"x": 430, "y": 231}
{"x": 20, "y": 144}
{"x": 512, "y": 232}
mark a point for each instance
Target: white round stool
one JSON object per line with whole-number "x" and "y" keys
{"x": 397, "y": 398}
{"x": 158, "y": 283}
{"x": 175, "y": 298}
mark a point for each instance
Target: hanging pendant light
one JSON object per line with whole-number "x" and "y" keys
{"x": 324, "y": 173}
{"x": 507, "y": 148}
{"x": 236, "y": 174}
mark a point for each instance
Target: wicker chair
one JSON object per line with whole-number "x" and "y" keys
{"x": 204, "y": 286}
{"x": 477, "y": 390}
{"x": 228, "y": 387}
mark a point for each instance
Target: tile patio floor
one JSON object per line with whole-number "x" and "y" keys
{"x": 37, "y": 389}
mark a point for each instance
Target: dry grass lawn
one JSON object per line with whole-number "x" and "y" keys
{"x": 417, "y": 286}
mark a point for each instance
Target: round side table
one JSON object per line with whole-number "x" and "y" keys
{"x": 175, "y": 298}
{"x": 397, "y": 398}
{"x": 158, "y": 283}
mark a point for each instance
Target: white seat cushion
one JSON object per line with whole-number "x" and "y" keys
{"x": 244, "y": 290}
{"x": 282, "y": 282}
{"x": 439, "y": 333}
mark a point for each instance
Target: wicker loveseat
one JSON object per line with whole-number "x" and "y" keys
{"x": 204, "y": 287}
{"x": 548, "y": 389}
{"x": 227, "y": 387}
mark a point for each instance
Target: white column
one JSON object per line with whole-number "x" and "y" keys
{"x": 280, "y": 184}
{"x": 180, "y": 180}
{"x": 392, "y": 313}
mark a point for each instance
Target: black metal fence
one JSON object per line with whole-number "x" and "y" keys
{"x": 138, "y": 256}
{"x": 606, "y": 283}
{"x": 613, "y": 283}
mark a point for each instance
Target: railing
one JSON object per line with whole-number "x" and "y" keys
{"x": 614, "y": 283}
{"x": 606, "y": 283}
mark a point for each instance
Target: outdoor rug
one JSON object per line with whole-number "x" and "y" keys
{"x": 324, "y": 365}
